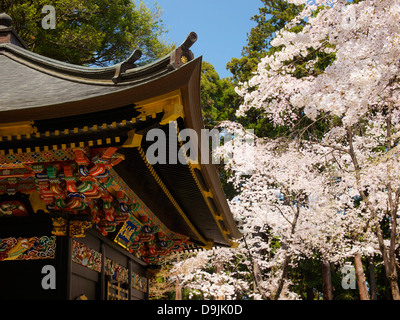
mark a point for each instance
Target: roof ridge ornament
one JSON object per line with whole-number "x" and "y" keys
{"x": 5, "y": 20}
{"x": 182, "y": 54}
{"x": 7, "y": 32}
{"x": 126, "y": 65}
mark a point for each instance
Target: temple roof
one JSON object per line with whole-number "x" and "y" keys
{"x": 64, "y": 85}
{"x": 45, "y": 103}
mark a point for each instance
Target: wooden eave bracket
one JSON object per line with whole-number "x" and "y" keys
{"x": 234, "y": 245}
{"x": 126, "y": 65}
{"x": 17, "y": 128}
{"x": 171, "y": 113}
{"x": 182, "y": 54}
{"x": 169, "y": 103}
{"x": 134, "y": 140}
{"x": 208, "y": 245}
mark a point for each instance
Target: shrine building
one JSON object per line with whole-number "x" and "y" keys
{"x": 83, "y": 213}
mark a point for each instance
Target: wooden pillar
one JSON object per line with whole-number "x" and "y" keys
{"x": 63, "y": 267}
{"x": 148, "y": 284}
{"x": 129, "y": 279}
{"x": 102, "y": 280}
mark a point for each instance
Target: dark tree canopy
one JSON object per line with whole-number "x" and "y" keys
{"x": 91, "y": 32}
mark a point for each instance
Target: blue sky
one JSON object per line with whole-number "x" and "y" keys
{"x": 221, "y": 26}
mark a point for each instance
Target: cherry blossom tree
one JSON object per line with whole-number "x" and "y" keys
{"x": 290, "y": 197}
{"x": 330, "y": 185}
{"x": 357, "y": 98}
{"x": 286, "y": 212}
{"x": 289, "y": 210}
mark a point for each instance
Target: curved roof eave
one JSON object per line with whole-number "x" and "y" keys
{"x": 21, "y": 101}
{"x": 82, "y": 74}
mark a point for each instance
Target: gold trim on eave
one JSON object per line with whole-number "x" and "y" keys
{"x": 63, "y": 146}
{"x": 172, "y": 113}
{"x": 205, "y": 193}
{"x": 134, "y": 140}
{"x": 17, "y": 128}
{"x": 171, "y": 198}
{"x": 169, "y": 103}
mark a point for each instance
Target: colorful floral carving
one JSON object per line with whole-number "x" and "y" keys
{"x": 86, "y": 257}
{"x": 80, "y": 189}
{"x": 13, "y": 208}
{"x": 19, "y": 160}
{"x": 116, "y": 271}
{"x": 139, "y": 282}
{"x": 27, "y": 248}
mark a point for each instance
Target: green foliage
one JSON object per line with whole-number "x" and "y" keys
{"x": 271, "y": 18}
{"x": 306, "y": 278}
{"x": 218, "y": 97}
{"x": 219, "y": 100}
{"x": 220, "y": 103}
{"x": 93, "y": 32}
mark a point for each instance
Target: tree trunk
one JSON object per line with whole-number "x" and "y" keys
{"x": 285, "y": 268}
{"x": 362, "y": 285}
{"x": 257, "y": 275}
{"x": 389, "y": 264}
{"x": 178, "y": 286}
{"x": 218, "y": 270}
{"x": 309, "y": 289}
{"x": 387, "y": 255}
{"x": 393, "y": 207}
{"x": 285, "y": 265}
{"x": 388, "y": 293}
{"x": 178, "y": 291}
{"x": 394, "y": 284}
{"x": 309, "y": 293}
{"x": 255, "y": 270}
{"x": 326, "y": 280}
{"x": 393, "y": 278}
{"x": 372, "y": 280}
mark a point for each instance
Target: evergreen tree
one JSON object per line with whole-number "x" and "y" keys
{"x": 218, "y": 97}
{"x": 93, "y": 32}
{"x": 219, "y": 100}
{"x": 271, "y": 18}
